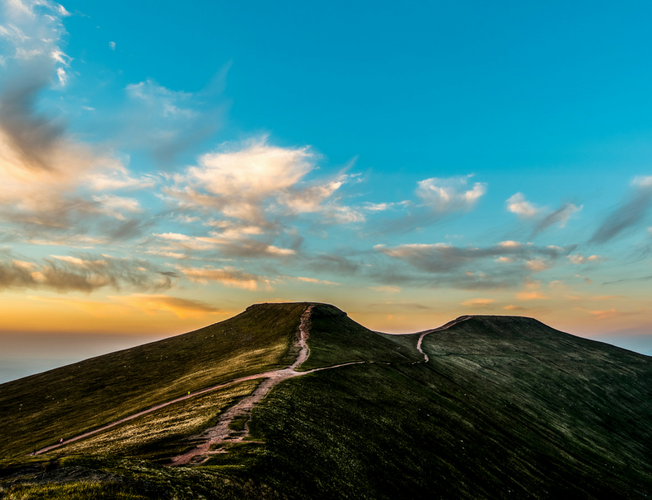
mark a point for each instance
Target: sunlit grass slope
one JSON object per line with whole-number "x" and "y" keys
{"x": 39, "y": 410}
{"x": 506, "y": 408}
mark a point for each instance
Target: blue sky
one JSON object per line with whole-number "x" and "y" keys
{"x": 166, "y": 165}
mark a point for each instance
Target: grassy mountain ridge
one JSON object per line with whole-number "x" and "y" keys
{"x": 66, "y": 401}
{"x": 506, "y": 407}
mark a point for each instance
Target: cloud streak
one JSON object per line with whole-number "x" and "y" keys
{"x": 629, "y": 214}
{"x": 62, "y": 273}
{"x": 542, "y": 217}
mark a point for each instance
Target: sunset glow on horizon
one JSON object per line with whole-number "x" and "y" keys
{"x": 163, "y": 167}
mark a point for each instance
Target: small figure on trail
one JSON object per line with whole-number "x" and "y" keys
{"x": 61, "y": 440}
{"x": 188, "y": 393}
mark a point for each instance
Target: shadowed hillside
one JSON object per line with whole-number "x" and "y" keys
{"x": 505, "y": 407}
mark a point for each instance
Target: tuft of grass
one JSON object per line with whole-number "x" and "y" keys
{"x": 238, "y": 423}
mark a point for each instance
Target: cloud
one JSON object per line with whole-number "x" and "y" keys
{"x": 542, "y": 216}
{"x": 438, "y": 198}
{"x": 469, "y": 268}
{"x": 334, "y": 263}
{"x": 257, "y": 184}
{"x": 232, "y": 241}
{"x": 80, "y": 262}
{"x": 478, "y": 302}
{"x": 628, "y": 214}
{"x": 517, "y": 204}
{"x": 228, "y": 276}
{"x": 531, "y": 291}
{"x": 44, "y": 170}
{"x": 166, "y": 123}
{"x": 449, "y": 195}
{"x": 115, "y": 206}
{"x": 559, "y": 216}
{"x": 624, "y": 280}
{"x": 116, "y": 176}
{"x": 443, "y": 257}
{"x": 315, "y": 281}
{"x": 580, "y": 259}
{"x": 514, "y": 308}
{"x": 112, "y": 45}
{"x": 609, "y": 313}
{"x": 385, "y": 289}
{"x": 538, "y": 265}
{"x": 64, "y": 274}
{"x": 381, "y": 207}
{"x": 182, "y": 308}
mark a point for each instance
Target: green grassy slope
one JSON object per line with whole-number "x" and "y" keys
{"x": 39, "y": 410}
{"x": 505, "y": 408}
{"x": 336, "y": 339}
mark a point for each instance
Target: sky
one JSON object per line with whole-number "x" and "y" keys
{"x": 164, "y": 166}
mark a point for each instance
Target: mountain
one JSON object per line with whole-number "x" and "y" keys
{"x": 299, "y": 401}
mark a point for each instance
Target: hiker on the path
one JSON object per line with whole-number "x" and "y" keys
{"x": 61, "y": 440}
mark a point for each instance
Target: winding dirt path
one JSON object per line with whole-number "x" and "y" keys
{"x": 221, "y": 432}
{"x": 438, "y": 329}
{"x": 425, "y": 356}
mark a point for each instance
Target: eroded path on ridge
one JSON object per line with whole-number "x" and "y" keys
{"x": 438, "y": 329}
{"x": 221, "y": 431}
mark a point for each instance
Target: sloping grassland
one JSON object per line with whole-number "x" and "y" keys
{"x": 40, "y": 409}
{"x": 505, "y": 408}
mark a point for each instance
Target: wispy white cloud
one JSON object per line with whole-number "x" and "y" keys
{"x": 517, "y": 204}
{"x": 580, "y": 259}
{"x": 228, "y": 276}
{"x": 255, "y": 182}
{"x": 449, "y": 195}
{"x": 542, "y": 217}
{"x": 115, "y": 206}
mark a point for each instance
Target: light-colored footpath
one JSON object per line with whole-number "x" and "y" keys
{"x": 220, "y": 433}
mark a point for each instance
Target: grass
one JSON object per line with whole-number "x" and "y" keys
{"x": 337, "y": 339}
{"x": 238, "y": 423}
{"x": 39, "y": 410}
{"x": 74, "y": 491}
{"x": 159, "y": 435}
{"x": 506, "y": 408}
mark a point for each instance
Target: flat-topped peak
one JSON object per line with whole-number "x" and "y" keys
{"x": 499, "y": 327}
{"x": 319, "y": 308}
